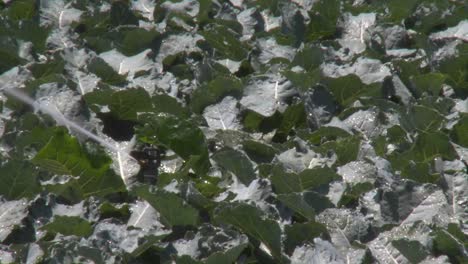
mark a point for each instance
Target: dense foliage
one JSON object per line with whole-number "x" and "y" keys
{"x": 268, "y": 131}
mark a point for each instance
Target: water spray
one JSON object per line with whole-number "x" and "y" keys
{"x": 60, "y": 118}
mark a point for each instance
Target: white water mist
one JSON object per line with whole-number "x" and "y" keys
{"x": 61, "y": 119}
{"x": 57, "y": 116}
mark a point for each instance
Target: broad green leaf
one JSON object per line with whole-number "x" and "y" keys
{"x": 352, "y": 193}
{"x": 69, "y": 225}
{"x": 8, "y": 53}
{"x": 459, "y": 133}
{"x": 431, "y": 83}
{"x": 401, "y": 9}
{"x": 174, "y": 210}
{"x": 254, "y": 121}
{"x": 346, "y": 149}
{"x": 303, "y": 80}
{"x": 126, "y": 104}
{"x": 416, "y": 162}
{"x": 250, "y": 221}
{"x": 323, "y": 18}
{"x": 237, "y": 163}
{"x": 349, "y": 88}
{"x": 259, "y": 152}
{"x": 186, "y": 259}
{"x": 446, "y": 243}
{"x": 131, "y": 41}
{"x": 18, "y": 180}
{"x": 63, "y": 155}
{"x": 284, "y": 182}
{"x": 120, "y": 14}
{"x": 430, "y": 145}
{"x": 309, "y": 58}
{"x": 296, "y": 202}
{"x": 224, "y": 41}
{"x": 146, "y": 244}
{"x": 163, "y": 103}
{"x": 309, "y": 179}
{"x": 26, "y": 133}
{"x": 55, "y": 66}
{"x": 456, "y": 67}
{"x": 421, "y": 118}
{"x": 298, "y": 234}
{"x": 22, "y": 10}
{"x": 293, "y": 116}
{"x": 214, "y": 91}
{"x": 178, "y": 134}
{"x": 98, "y": 98}
{"x": 327, "y": 133}
{"x": 108, "y": 210}
{"x": 413, "y": 250}
{"x": 229, "y": 256}
{"x": 316, "y": 178}
{"x": 104, "y": 71}
{"x": 22, "y": 31}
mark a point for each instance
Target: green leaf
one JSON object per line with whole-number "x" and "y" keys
{"x": 296, "y": 202}
{"x": 401, "y": 9}
{"x": 8, "y": 53}
{"x": 431, "y": 83}
{"x": 413, "y": 250}
{"x": 120, "y": 14}
{"x": 309, "y": 58}
{"x": 284, "y": 182}
{"x": 303, "y": 80}
{"x": 421, "y": 118}
{"x": 259, "y": 152}
{"x": 41, "y": 70}
{"x": 224, "y": 42}
{"x": 19, "y": 179}
{"x": 63, "y": 155}
{"x": 69, "y": 226}
{"x": 215, "y": 91}
{"x": 459, "y": 132}
{"x": 456, "y": 67}
{"x": 237, "y": 163}
{"x": 22, "y": 10}
{"x": 180, "y": 135}
{"x": 146, "y": 244}
{"x": 323, "y": 18}
{"x": 447, "y": 244}
{"x": 126, "y": 104}
{"x": 293, "y": 116}
{"x": 352, "y": 193}
{"x": 108, "y": 210}
{"x": 416, "y": 162}
{"x": 298, "y": 234}
{"x": 327, "y": 133}
{"x": 349, "y": 88}
{"x": 174, "y": 210}
{"x": 430, "y": 145}
{"x": 163, "y": 103}
{"x": 131, "y": 41}
{"x": 309, "y": 179}
{"x": 104, "y": 71}
{"x": 250, "y": 221}
{"x": 316, "y": 178}
{"x": 229, "y": 256}
{"x": 346, "y": 149}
